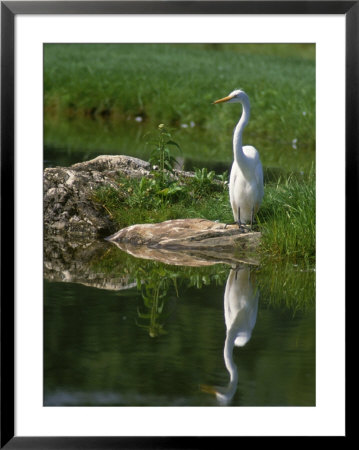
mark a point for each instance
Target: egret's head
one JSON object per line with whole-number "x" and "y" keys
{"x": 236, "y": 96}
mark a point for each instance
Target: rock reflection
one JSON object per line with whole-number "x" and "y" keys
{"x": 240, "y": 313}
{"x": 76, "y": 260}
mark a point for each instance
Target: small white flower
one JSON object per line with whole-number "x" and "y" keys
{"x": 184, "y": 125}
{"x": 192, "y": 124}
{"x": 138, "y": 119}
{"x": 304, "y": 113}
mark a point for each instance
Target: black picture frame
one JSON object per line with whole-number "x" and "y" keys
{"x": 9, "y": 9}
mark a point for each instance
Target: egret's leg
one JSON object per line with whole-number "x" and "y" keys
{"x": 252, "y": 217}
{"x": 240, "y": 225}
{"x": 239, "y": 217}
{"x": 235, "y": 221}
{"x": 237, "y": 269}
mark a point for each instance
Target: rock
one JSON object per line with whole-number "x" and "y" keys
{"x": 189, "y": 242}
{"x": 68, "y": 194}
{"x": 112, "y": 164}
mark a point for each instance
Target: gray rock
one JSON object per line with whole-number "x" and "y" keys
{"x": 69, "y": 206}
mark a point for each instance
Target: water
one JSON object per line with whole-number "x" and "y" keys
{"x": 170, "y": 339}
{"x": 124, "y": 331}
{"x": 68, "y": 141}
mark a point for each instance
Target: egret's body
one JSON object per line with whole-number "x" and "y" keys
{"x": 246, "y": 179}
{"x": 240, "y": 307}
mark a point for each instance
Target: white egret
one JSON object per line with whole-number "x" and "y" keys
{"x": 246, "y": 179}
{"x": 240, "y": 314}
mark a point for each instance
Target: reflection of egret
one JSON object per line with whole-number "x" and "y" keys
{"x": 240, "y": 313}
{"x": 246, "y": 180}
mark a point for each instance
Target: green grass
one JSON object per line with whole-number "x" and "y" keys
{"x": 94, "y": 93}
{"x": 287, "y": 219}
{"x": 174, "y": 82}
{"x": 143, "y": 205}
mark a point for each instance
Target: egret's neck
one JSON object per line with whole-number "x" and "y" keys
{"x": 228, "y": 356}
{"x": 239, "y": 156}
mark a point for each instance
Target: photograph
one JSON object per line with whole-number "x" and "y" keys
{"x": 177, "y": 180}
{"x": 179, "y": 224}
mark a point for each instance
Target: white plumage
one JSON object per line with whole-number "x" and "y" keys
{"x": 246, "y": 179}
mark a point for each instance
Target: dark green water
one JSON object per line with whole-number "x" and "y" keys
{"x": 125, "y": 348}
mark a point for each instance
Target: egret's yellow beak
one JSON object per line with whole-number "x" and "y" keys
{"x": 208, "y": 389}
{"x": 221, "y": 100}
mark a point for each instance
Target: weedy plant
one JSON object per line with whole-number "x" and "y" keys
{"x": 166, "y": 194}
{"x": 223, "y": 178}
{"x": 161, "y": 156}
{"x": 203, "y": 180}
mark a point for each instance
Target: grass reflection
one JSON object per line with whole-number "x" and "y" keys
{"x": 154, "y": 291}
{"x": 282, "y": 284}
